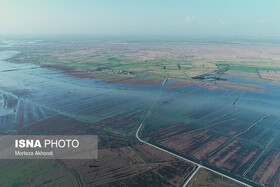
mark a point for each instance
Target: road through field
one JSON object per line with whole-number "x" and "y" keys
{"x": 192, "y": 175}
{"x": 182, "y": 158}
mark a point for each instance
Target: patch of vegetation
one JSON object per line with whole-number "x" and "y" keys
{"x": 24, "y": 172}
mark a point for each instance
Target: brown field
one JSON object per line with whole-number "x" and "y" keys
{"x": 204, "y": 178}
{"x": 122, "y": 166}
{"x": 127, "y": 166}
{"x": 150, "y": 155}
{"x": 219, "y": 84}
{"x": 198, "y": 144}
{"x": 240, "y": 86}
{"x": 234, "y": 156}
{"x": 276, "y": 181}
{"x": 268, "y": 168}
{"x": 169, "y": 131}
{"x": 110, "y": 79}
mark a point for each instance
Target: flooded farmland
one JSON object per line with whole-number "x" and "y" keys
{"x": 232, "y": 124}
{"x": 31, "y": 94}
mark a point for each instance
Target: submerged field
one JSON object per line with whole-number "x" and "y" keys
{"x": 217, "y": 104}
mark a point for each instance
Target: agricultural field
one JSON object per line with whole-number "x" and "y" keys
{"x": 206, "y": 178}
{"x": 216, "y": 104}
{"x": 34, "y": 173}
{"x": 119, "y": 166}
{"x": 153, "y": 60}
{"x": 131, "y": 165}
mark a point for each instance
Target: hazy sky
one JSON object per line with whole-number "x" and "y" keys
{"x": 141, "y": 17}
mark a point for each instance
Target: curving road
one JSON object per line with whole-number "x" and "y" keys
{"x": 182, "y": 158}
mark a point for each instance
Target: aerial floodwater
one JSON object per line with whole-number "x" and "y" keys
{"x": 30, "y": 94}
{"x": 224, "y": 121}
{"x": 152, "y": 93}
